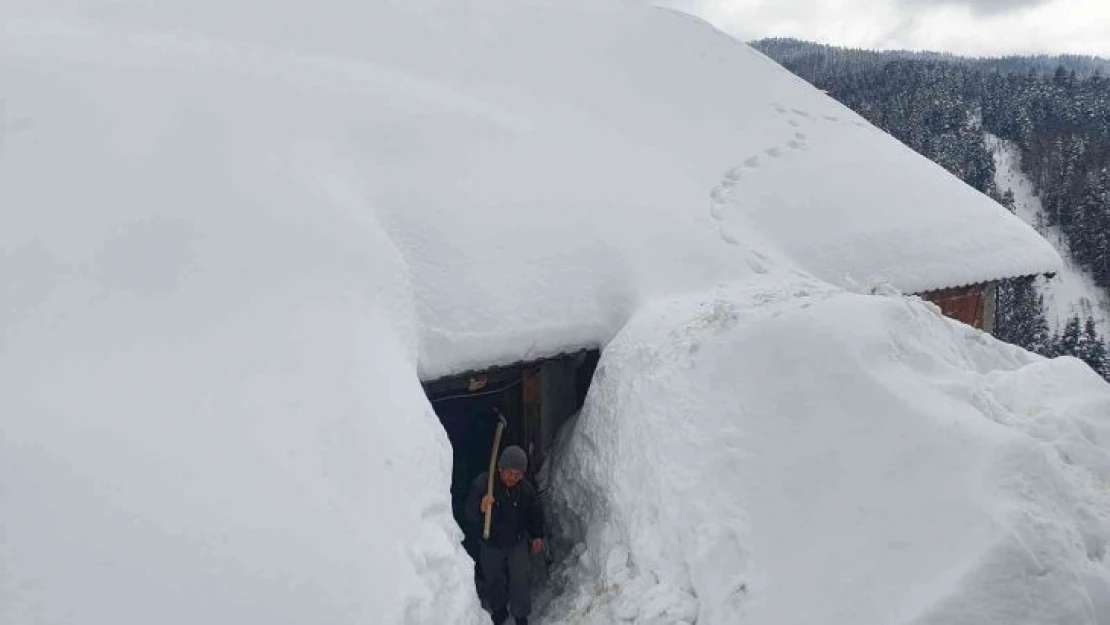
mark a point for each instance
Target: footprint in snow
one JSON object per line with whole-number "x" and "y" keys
{"x": 752, "y": 162}
{"x": 775, "y": 152}
{"x": 778, "y": 107}
{"x": 728, "y": 237}
{"x": 718, "y": 194}
{"x": 716, "y": 211}
{"x": 796, "y": 145}
{"x": 734, "y": 174}
{"x": 832, "y": 118}
{"x": 800, "y": 136}
{"x": 800, "y": 112}
{"x": 794, "y": 123}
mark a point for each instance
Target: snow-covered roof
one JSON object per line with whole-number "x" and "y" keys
{"x": 531, "y": 190}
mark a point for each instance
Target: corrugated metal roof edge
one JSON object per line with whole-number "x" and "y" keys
{"x": 495, "y": 368}
{"x": 574, "y": 351}
{"x": 960, "y": 285}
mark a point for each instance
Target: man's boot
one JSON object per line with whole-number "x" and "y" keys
{"x": 521, "y": 620}
{"x": 500, "y": 616}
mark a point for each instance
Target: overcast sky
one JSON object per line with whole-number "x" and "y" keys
{"x": 972, "y": 27}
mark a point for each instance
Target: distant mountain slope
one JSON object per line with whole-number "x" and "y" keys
{"x": 787, "y": 49}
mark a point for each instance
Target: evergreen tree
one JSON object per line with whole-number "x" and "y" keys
{"x": 1020, "y": 318}
{"x": 1070, "y": 337}
{"x": 1092, "y": 347}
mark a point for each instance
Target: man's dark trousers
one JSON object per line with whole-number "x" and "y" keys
{"x": 514, "y": 591}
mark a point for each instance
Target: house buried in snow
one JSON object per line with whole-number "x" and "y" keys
{"x": 782, "y": 167}
{"x": 803, "y": 176}
{"x": 278, "y": 223}
{"x": 538, "y": 396}
{"x": 861, "y": 211}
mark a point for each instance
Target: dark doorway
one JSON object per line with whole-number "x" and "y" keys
{"x": 536, "y": 398}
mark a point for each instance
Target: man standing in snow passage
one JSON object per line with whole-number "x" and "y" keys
{"x": 515, "y": 528}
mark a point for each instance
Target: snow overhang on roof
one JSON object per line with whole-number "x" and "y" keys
{"x": 859, "y": 208}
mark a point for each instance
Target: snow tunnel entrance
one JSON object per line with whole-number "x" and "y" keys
{"x": 536, "y": 399}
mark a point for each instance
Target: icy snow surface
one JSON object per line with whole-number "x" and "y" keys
{"x": 236, "y": 234}
{"x": 1072, "y": 291}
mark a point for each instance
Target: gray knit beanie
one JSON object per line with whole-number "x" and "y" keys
{"x": 513, "y": 458}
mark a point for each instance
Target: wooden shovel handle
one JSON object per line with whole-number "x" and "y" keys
{"x": 492, "y": 468}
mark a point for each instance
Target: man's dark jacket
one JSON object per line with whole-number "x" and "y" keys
{"x": 517, "y": 512}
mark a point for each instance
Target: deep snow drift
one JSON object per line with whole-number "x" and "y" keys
{"x": 236, "y": 234}
{"x": 790, "y": 454}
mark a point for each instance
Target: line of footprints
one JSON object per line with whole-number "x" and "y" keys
{"x": 721, "y": 195}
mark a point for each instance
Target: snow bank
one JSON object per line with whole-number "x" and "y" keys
{"x": 210, "y": 406}
{"x": 790, "y": 454}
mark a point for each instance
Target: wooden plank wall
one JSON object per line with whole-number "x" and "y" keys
{"x": 964, "y": 304}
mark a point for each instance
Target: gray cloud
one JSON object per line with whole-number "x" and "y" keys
{"x": 982, "y": 7}
{"x": 974, "y": 28}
